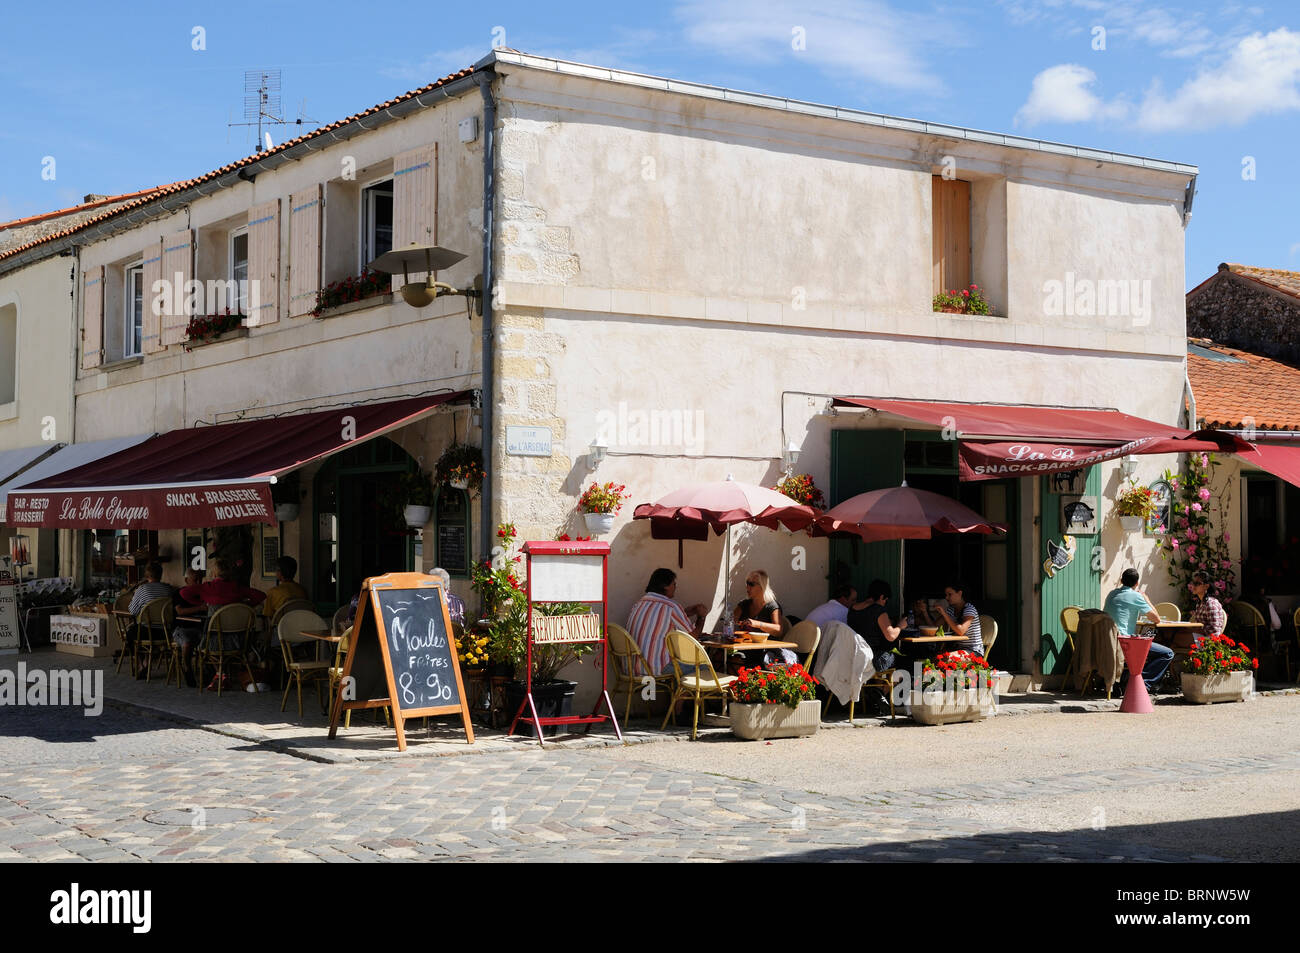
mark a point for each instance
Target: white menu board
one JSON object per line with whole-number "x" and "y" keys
{"x": 567, "y": 578}
{"x": 8, "y": 614}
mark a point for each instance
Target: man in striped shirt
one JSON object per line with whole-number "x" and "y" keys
{"x": 152, "y": 588}
{"x": 656, "y": 614}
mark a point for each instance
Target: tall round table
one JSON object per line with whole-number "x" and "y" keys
{"x": 1136, "y": 698}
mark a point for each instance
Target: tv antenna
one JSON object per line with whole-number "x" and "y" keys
{"x": 262, "y": 106}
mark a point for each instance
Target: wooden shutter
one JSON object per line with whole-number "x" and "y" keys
{"x": 304, "y": 249}
{"x": 263, "y": 264}
{"x": 951, "y": 208}
{"x": 415, "y": 197}
{"x": 151, "y": 272}
{"x": 177, "y": 269}
{"x": 92, "y": 317}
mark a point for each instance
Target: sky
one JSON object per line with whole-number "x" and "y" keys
{"x": 109, "y": 99}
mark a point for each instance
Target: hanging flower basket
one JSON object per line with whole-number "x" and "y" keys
{"x": 460, "y": 467}
{"x": 599, "y": 522}
{"x": 417, "y": 516}
{"x": 1131, "y": 524}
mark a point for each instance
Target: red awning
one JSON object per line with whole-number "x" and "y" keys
{"x": 1011, "y": 440}
{"x": 1282, "y": 462}
{"x": 205, "y": 476}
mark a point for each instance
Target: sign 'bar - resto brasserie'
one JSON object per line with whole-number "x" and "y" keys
{"x": 154, "y": 507}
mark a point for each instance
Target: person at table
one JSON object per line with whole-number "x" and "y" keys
{"x": 961, "y": 618}
{"x": 656, "y": 614}
{"x": 921, "y": 614}
{"x": 285, "y": 589}
{"x": 223, "y": 591}
{"x": 758, "y": 611}
{"x": 455, "y": 606}
{"x": 836, "y": 610}
{"x": 870, "y": 619}
{"x": 1127, "y": 606}
{"x": 1209, "y": 611}
{"x": 152, "y": 588}
{"x": 190, "y": 616}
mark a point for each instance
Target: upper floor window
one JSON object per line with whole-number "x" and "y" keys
{"x": 376, "y": 221}
{"x": 133, "y": 319}
{"x": 238, "y": 302}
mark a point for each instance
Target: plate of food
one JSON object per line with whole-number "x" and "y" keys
{"x": 928, "y": 630}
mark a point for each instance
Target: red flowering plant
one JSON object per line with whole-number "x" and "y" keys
{"x": 365, "y": 285}
{"x": 604, "y": 498}
{"x": 960, "y": 669}
{"x": 786, "y": 685}
{"x": 1220, "y": 653}
{"x": 503, "y": 600}
{"x": 800, "y": 488}
{"x": 206, "y": 327}
{"x": 967, "y": 301}
{"x": 1195, "y": 540}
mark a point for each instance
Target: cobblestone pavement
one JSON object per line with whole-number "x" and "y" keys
{"x": 126, "y": 786}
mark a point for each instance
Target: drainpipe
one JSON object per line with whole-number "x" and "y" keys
{"x": 486, "y": 527}
{"x": 1191, "y": 399}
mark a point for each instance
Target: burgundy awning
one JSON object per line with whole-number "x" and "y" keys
{"x": 1010, "y": 440}
{"x": 205, "y": 476}
{"x": 1282, "y": 462}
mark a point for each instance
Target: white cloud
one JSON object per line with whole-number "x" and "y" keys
{"x": 1062, "y": 94}
{"x": 1261, "y": 75}
{"x": 1294, "y": 250}
{"x": 436, "y": 65}
{"x": 1177, "y": 32}
{"x": 863, "y": 40}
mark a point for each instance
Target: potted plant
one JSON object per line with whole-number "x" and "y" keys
{"x": 955, "y": 686}
{"x": 503, "y": 605}
{"x": 967, "y": 301}
{"x": 204, "y": 328}
{"x": 777, "y": 702}
{"x": 800, "y": 488}
{"x": 552, "y": 695}
{"x": 1135, "y": 506}
{"x": 1219, "y": 670}
{"x": 368, "y": 284}
{"x": 460, "y": 467}
{"x": 600, "y": 503}
{"x": 416, "y": 493}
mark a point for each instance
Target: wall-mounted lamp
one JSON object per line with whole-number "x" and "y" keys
{"x": 1128, "y": 466}
{"x": 596, "y": 454}
{"x": 429, "y": 259}
{"x": 789, "y": 457}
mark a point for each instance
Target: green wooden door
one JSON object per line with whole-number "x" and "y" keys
{"x": 863, "y": 460}
{"x": 1078, "y": 584}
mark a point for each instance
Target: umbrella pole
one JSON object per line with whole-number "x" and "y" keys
{"x": 902, "y": 602}
{"x": 726, "y": 579}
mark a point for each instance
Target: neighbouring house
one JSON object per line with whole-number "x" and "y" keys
{"x": 694, "y": 278}
{"x": 1257, "y": 309}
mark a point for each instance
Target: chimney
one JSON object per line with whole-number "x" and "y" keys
{"x": 93, "y": 197}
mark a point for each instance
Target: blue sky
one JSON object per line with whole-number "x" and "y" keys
{"x": 122, "y": 100}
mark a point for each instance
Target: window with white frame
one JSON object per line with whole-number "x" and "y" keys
{"x": 133, "y": 318}
{"x": 376, "y": 220}
{"x": 238, "y": 302}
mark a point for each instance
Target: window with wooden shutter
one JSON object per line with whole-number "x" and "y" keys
{"x": 177, "y": 270}
{"x": 92, "y": 317}
{"x": 415, "y": 197}
{"x": 304, "y": 249}
{"x": 263, "y": 264}
{"x": 951, "y": 209}
{"x": 151, "y": 270}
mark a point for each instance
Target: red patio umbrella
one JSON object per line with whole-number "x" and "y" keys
{"x": 901, "y": 512}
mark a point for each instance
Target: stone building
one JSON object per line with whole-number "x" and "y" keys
{"x": 1255, "y": 309}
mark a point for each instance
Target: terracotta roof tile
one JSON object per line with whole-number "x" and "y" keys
{"x": 154, "y": 194}
{"x": 1255, "y": 387}
{"x": 1288, "y": 282}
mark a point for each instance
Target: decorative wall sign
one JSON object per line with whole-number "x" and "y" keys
{"x": 1069, "y": 481}
{"x": 270, "y": 550}
{"x": 1079, "y": 515}
{"x": 1158, "y": 523}
{"x": 1058, "y": 557}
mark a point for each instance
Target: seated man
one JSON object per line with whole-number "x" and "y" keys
{"x": 1127, "y": 606}
{"x": 455, "y": 606}
{"x": 190, "y": 616}
{"x": 837, "y": 610}
{"x": 152, "y": 588}
{"x": 222, "y": 591}
{"x": 285, "y": 589}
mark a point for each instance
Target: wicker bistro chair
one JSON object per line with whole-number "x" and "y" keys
{"x": 1069, "y": 625}
{"x": 122, "y": 622}
{"x": 989, "y": 632}
{"x": 702, "y": 683}
{"x": 316, "y": 670}
{"x": 1252, "y": 627}
{"x": 631, "y": 668}
{"x": 1168, "y": 612}
{"x": 336, "y": 674}
{"x": 226, "y": 637}
{"x": 807, "y": 636}
{"x": 153, "y": 636}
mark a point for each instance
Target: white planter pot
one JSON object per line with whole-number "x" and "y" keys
{"x": 934, "y": 706}
{"x": 760, "y": 722}
{"x": 1131, "y": 524}
{"x": 417, "y": 516}
{"x": 599, "y": 522}
{"x": 286, "y": 512}
{"x": 1220, "y": 687}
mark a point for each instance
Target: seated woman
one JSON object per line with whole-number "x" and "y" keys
{"x": 870, "y": 619}
{"x": 656, "y": 614}
{"x": 1209, "y": 611}
{"x": 963, "y": 620}
{"x": 760, "y": 612}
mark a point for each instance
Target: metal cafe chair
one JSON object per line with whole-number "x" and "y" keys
{"x": 153, "y": 636}
{"x": 315, "y": 669}
{"x": 225, "y": 637}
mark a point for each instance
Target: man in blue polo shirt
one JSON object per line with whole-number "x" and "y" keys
{"x": 1127, "y": 606}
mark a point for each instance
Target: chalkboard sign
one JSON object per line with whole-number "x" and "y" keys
{"x": 451, "y": 516}
{"x": 402, "y": 654}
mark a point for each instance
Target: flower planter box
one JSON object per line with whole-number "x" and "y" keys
{"x": 760, "y": 722}
{"x": 598, "y": 523}
{"x": 938, "y": 707}
{"x": 1220, "y": 687}
{"x": 373, "y": 301}
{"x": 224, "y": 336}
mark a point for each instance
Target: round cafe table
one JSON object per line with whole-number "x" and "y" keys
{"x": 1136, "y": 698}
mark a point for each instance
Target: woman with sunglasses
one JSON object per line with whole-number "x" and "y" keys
{"x": 1209, "y": 611}
{"x": 759, "y": 611}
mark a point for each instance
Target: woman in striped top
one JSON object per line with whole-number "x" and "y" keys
{"x": 656, "y": 614}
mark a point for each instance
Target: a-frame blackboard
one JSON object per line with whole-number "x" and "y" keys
{"x": 402, "y": 654}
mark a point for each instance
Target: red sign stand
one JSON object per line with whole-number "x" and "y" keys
{"x": 567, "y": 571}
